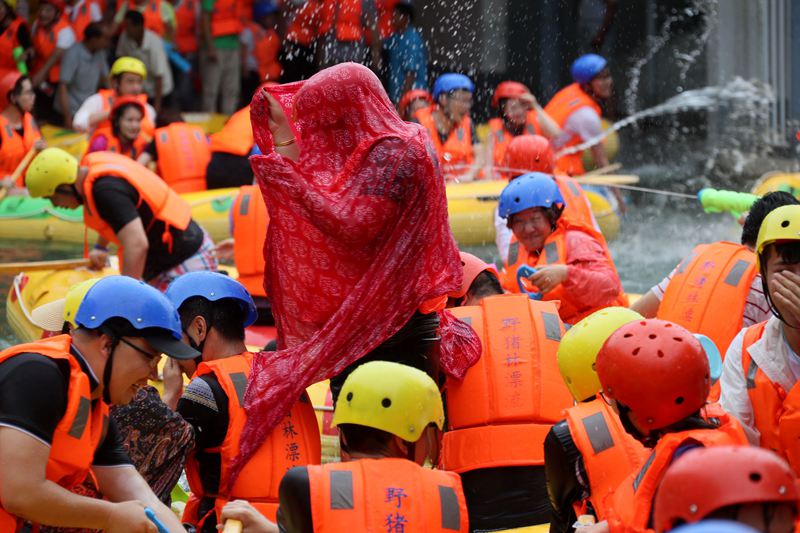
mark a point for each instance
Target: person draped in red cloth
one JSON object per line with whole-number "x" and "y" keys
{"x": 358, "y": 240}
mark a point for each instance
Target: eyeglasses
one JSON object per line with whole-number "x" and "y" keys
{"x": 150, "y": 356}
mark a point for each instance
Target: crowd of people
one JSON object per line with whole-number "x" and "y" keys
{"x": 466, "y": 397}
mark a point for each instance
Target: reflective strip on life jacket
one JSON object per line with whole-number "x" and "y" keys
{"x": 560, "y": 107}
{"x": 609, "y": 453}
{"x": 80, "y": 430}
{"x": 236, "y": 136}
{"x": 183, "y": 155}
{"x": 14, "y": 146}
{"x": 250, "y": 220}
{"x": 457, "y": 150}
{"x": 517, "y": 379}
{"x": 385, "y": 494}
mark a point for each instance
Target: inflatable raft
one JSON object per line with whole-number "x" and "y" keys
{"x": 777, "y": 181}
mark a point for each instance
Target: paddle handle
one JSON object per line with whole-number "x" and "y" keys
{"x": 30, "y": 266}
{"x": 232, "y": 526}
{"x": 23, "y": 164}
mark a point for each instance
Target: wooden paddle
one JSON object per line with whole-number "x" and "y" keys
{"x": 611, "y": 180}
{"x": 232, "y": 526}
{"x": 18, "y": 172}
{"x": 30, "y": 266}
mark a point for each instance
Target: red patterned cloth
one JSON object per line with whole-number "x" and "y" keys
{"x": 358, "y": 238}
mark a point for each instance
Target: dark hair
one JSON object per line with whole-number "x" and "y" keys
{"x": 485, "y": 284}
{"x": 405, "y": 8}
{"x": 17, "y": 88}
{"x": 167, "y": 116}
{"x": 226, "y": 316}
{"x": 118, "y": 115}
{"x": 93, "y": 31}
{"x": 134, "y": 18}
{"x": 553, "y": 213}
{"x": 363, "y": 439}
{"x": 789, "y": 252}
{"x": 759, "y": 210}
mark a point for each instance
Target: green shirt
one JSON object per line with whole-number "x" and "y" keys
{"x": 223, "y": 42}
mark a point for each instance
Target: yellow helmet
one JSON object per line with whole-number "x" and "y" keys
{"x": 580, "y": 345}
{"x": 781, "y": 224}
{"x": 128, "y": 64}
{"x": 395, "y": 398}
{"x": 49, "y": 169}
{"x": 52, "y": 315}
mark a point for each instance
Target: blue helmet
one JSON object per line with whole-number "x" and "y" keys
{"x": 715, "y": 526}
{"x": 212, "y": 286}
{"x": 450, "y": 82}
{"x": 150, "y": 315}
{"x": 529, "y": 190}
{"x": 262, "y": 8}
{"x": 586, "y": 67}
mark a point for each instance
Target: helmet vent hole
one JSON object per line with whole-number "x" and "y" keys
{"x": 349, "y": 396}
{"x": 677, "y": 339}
{"x": 651, "y": 336}
{"x": 785, "y": 224}
{"x": 660, "y": 353}
{"x": 636, "y": 351}
{"x": 386, "y": 402}
{"x": 755, "y": 477}
{"x": 679, "y": 400}
{"x": 516, "y": 200}
{"x": 628, "y": 335}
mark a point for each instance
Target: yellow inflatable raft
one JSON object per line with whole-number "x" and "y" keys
{"x": 777, "y": 181}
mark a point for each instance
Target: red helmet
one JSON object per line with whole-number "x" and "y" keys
{"x": 8, "y": 80}
{"x": 705, "y": 480}
{"x": 473, "y": 266}
{"x": 412, "y": 95}
{"x": 508, "y": 89}
{"x": 127, "y": 100}
{"x": 530, "y": 153}
{"x": 655, "y": 368}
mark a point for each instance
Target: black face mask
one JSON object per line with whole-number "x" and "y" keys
{"x": 196, "y": 346}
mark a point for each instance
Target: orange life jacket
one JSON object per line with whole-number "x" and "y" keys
{"x": 225, "y": 19}
{"x": 501, "y": 137}
{"x": 776, "y": 413}
{"x": 44, "y": 44}
{"x": 108, "y": 95}
{"x": 562, "y": 105}
{"x": 345, "y": 17}
{"x": 518, "y": 380}
{"x": 609, "y": 453}
{"x": 165, "y": 203}
{"x": 632, "y": 501}
{"x": 183, "y": 155}
{"x": 250, "y": 220}
{"x": 555, "y": 252}
{"x": 80, "y": 430}
{"x": 385, "y": 495}
{"x": 186, "y": 26}
{"x": 9, "y": 41}
{"x": 708, "y": 291}
{"x": 385, "y": 9}
{"x": 457, "y": 151}
{"x": 267, "y": 46}
{"x": 295, "y": 442}
{"x": 303, "y": 28}
{"x": 13, "y": 147}
{"x": 133, "y": 151}
{"x": 577, "y": 210}
{"x": 152, "y": 15}
{"x": 82, "y": 17}
{"x": 236, "y": 137}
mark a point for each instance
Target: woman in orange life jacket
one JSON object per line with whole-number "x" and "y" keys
{"x": 388, "y": 427}
{"x": 656, "y": 377}
{"x": 746, "y": 484}
{"x": 16, "y": 46}
{"x": 571, "y": 264}
{"x": 588, "y": 453}
{"x": 760, "y": 371}
{"x": 18, "y": 130}
{"x": 413, "y": 101}
{"x": 518, "y": 113}
{"x": 125, "y": 134}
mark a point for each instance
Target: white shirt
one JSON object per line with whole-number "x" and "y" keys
{"x": 95, "y": 14}
{"x": 64, "y": 39}
{"x": 152, "y": 54}
{"x": 94, "y": 104}
{"x": 583, "y": 122}
{"x": 773, "y": 356}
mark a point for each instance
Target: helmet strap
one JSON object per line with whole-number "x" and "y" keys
{"x": 109, "y": 367}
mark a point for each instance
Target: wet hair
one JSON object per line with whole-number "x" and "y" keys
{"x": 485, "y": 284}
{"x": 364, "y": 439}
{"x": 405, "y": 8}
{"x": 93, "y": 31}
{"x": 759, "y": 210}
{"x": 134, "y": 18}
{"x": 226, "y": 316}
{"x": 119, "y": 112}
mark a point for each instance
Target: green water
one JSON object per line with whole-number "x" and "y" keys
{"x": 653, "y": 239}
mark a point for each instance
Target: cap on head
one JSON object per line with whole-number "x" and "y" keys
{"x": 212, "y": 286}
{"x": 412, "y": 95}
{"x": 585, "y": 68}
{"x": 529, "y": 190}
{"x": 391, "y": 397}
{"x": 473, "y": 266}
{"x": 508, "y": 89}
{"x": 129, "y": 64}
{"x": 451, "y": 81}
{"x": 781, "y": 224}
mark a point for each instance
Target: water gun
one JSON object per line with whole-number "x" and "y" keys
{"x": 18, "y": 52}
{"x": 721, "y": 201}
{"x": 180, "y": 62}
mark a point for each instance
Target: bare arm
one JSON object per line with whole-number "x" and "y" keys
{"x": 39, "y": 77}
{"x": 133, "y": 240}
{"x": 549, "y": 126}
{"x": 26, "y": 492}
{"x": 124, "y": 483}
{"x": 647, "y": 305}
{"x": 144, "y": 159}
